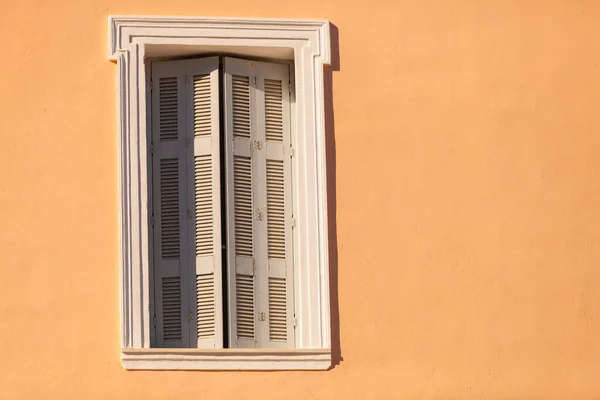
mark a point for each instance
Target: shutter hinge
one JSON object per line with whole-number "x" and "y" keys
{"x": 254, "y": 266}
{"x": 295, "y": 322}
{"x": 255, "y": 80}
{"x": 151, "y": 85}
{"x": 255, "y": 145}
{"x": 152, "y": 221}
{"x": 190, "y": 315}
{"x": 154, "y": 320}
{"x": 291, "y": 152}
{"x": 151, "y": 149}
{"x": 293, "y": 222}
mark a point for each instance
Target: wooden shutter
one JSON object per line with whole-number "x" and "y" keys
{"x": 259, "y": 204}
{"x": 187, "y": 231}
{"x": 273, "y": 107}
{"x": 169, "y": 181}
{"x": 205, "y": 196}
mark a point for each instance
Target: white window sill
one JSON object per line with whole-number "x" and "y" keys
{"x": 226, "y": 359}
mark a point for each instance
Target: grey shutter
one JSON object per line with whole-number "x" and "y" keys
{"x": 187, "y": 232}
{"x": 169, "y": 181}
{"x": 202, "y": 105}
{"x": 259, "y": 204}
{"x": 274, "y": 109}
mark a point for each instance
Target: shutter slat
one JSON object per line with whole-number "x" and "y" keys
{"x": 168, "y": 108}
{"x": 169, "y": 207}
{"x": 242, "y": 192}
{"x": 277, "y": 310}
{"x": 241, "y": 106}
{"x": 276, "y": 209}
{"x": 204, "y": 205}
{"x": 273, "y": 110}
{"x": 245, "y": 306}
{"x": 205, "y": 306}
{"x": 202, "y": 106}
{"x": 171, "y": 303}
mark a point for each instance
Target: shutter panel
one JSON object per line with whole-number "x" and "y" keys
{"x": 259, "y": 191}
{"x": 170, "y": 292}
{"x": 274, "y": 109}
{"x": 202, "y": 106}
{"x": 240, "y": 207}
{"x": 187, "y": 234}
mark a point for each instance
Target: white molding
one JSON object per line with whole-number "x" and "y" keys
{"x": 130, "y": 37}
{"x": 225, "y": 359}
{"x": 122, "y": 29}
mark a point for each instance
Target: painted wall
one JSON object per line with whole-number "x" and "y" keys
{"x": 465, "y": 185}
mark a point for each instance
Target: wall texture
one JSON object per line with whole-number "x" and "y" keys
{"x": 465, "y": 188}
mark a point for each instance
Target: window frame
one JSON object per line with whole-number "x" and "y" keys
{"x": 131, "y": 40}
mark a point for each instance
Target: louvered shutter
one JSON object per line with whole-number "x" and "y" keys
{"x": 202, "y": 106}
{"x": 186, "y": 195}
{"x": 170, "y": 204}
{"x": 259, "y": 204}
{"x": 273, "y": 108}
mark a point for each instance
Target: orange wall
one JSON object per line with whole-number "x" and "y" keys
{"x": 465, "y": 176}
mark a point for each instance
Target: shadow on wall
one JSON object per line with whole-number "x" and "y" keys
{"x": 336, "y": 348}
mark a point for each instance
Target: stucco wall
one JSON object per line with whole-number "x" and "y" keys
{"x": 465, "y": 189}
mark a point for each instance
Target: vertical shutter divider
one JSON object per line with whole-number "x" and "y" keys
{"x": 259, "y": 192}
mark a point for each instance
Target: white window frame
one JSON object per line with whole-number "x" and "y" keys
{"x": 131, "y": 39}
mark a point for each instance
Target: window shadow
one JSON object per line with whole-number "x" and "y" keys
{"x": 336, "y": 347}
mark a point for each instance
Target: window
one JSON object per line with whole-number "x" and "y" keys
{"x": 231, "y": 179}
{"x": 191, "y": 213}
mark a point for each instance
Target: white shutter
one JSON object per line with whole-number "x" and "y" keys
{"x": 169, "y": 181}
{"x": 259, "y": 204}
{"x": 277, "y": 190}
{"x": 187, "y": 234}
{"x": 202, "y": 100}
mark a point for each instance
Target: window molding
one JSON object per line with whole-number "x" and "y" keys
{"x": 131, "y": 40}
{"x": 225, "y": 359}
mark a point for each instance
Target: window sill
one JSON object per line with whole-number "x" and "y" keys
{"x": 226, "y": 359}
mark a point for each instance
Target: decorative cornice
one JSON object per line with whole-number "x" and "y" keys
{"x": 265, "y": 27}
